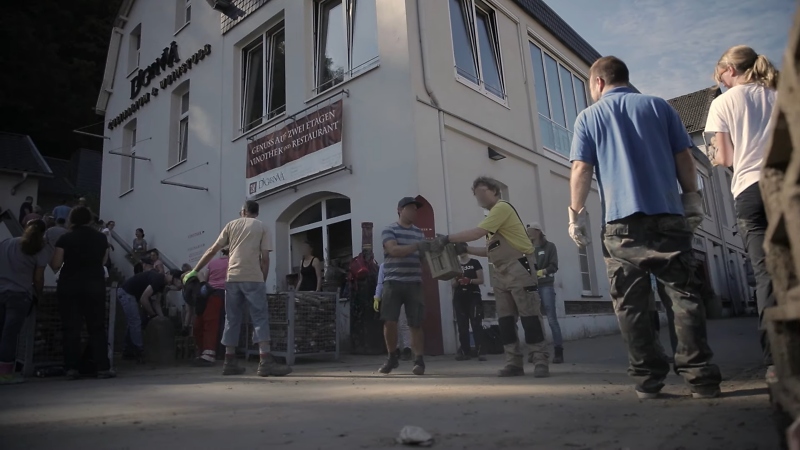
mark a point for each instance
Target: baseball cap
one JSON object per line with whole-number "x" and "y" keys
{"x": 534, "y": 226}
{"x": 405, "y": 201}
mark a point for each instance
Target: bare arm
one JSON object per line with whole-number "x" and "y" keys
{"x": 299, "y": 278}
{"x": 468, "y": 235}
{"x": 105, "y": 258}
{"x": 724, "y": 145}
{"x": 58, "y": 259}
{"x": 38, "y": 281}
{"x": 686, "y": 171}
{"x": 479, "y": 279}
{"x": 580, "y": 183}
{"x": 392, "y": 248}
{"x": 265, "y": 263}
{"x": 478, "y": 251}
{"x": 207, "y": 257}
{"x": 318, "y": 269}
{"x": 145, "y": 300}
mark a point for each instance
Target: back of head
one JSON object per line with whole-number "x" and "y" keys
{"x": 33, "y": 237}
{"x": 754, "y": 68}
{"x": 612, "y": 70}
{"x": 80, "y": 216}
{"x": 251, "y": 208}
{"x": 176, "y": 274}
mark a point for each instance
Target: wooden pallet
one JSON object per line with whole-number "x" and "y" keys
{"x": 780, "y": 188}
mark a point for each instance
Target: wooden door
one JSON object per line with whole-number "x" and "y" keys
{"x": 432, "y": 326}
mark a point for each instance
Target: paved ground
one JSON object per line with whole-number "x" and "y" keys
{"x": 588, "y": 403}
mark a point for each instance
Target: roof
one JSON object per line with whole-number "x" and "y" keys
{"x": 551, "y": 21}
{"x": 19, "y": 154}
{"x": 60, "y": 183}
{"x": 693, "y": 108}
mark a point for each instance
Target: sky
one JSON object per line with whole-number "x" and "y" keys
{"x": 672, "y": 46}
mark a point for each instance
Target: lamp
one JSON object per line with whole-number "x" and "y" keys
{"x": 495, "y": 155}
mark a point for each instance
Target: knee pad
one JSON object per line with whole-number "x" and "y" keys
{"x": 533, "y": 329}
{"x": 508, "y": 329}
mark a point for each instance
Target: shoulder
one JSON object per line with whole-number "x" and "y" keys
{"x": 502, "y": 207}
{"x": 475, "y": 262}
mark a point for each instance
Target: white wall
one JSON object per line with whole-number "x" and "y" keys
{"x": 13, "y": 201}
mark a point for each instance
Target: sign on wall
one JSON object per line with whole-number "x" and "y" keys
{"x": 301, "y": 148}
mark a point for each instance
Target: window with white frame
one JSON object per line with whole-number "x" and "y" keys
{"x": 476, "y": 45}
{"x": 702, "y": 184}
{"x": 586, "y": 274}
{"x": 560, "y": 96}
{"x": 183, "y": 13}
{"x": 128, "y": 164}
{"x": 179, "y": 125}
{"x": 183, "y": 128}
{"x": 264, "y": 97}
{"x": 346, "y": 40}
{"x": 134, "y": 48}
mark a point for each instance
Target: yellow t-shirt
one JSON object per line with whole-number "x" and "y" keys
{"x": 246, "y": 238}
{"x": 504, "y": 220}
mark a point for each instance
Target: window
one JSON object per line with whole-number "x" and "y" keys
{"x": 346, "y": 40}
{"x": 134, "y": 49}
{"x": 560, "y": 96}
{"x": 586, "y": 275}
{"x": 705, "y": 193}
{"x": 264, "y": 97}
{"x": 476, "y": 45}
{"x": 183, "y": 129}
{"x": 179, "y": 129}
{"x": 128, "y": 169}
{"x": 183, "y": 13}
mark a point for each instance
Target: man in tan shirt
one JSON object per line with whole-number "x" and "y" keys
{"x": 249, "y": 245}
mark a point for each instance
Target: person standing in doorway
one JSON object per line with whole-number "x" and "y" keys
{"x": 310, "y": 270}
{"x": 510, "y": 252}
{"x": 402, "y": 284}
{"x": 641, "y": 153}
{"x": 404, "y": 342}
{"x": 62, "y": 211}
{"x": 742, "y": 122}
{"x": 81, "y": 254}
{"x": 22, "y": 263}
{"x": 207, "y": 324}
{"x": 546, "y": 268}
{"x": 248, "y": 241}
{"x": 468, "y": 306}
{"x": 24, "y": 209}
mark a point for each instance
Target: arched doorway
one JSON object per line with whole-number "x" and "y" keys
{"x": 430, "y": 287}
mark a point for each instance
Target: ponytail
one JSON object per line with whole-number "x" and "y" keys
{"x": 32, "y": 241}
{"x": 763, "y": 73}
{"x": 752, "y": 67}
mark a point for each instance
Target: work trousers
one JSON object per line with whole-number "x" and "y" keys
{"x": 206, "y": 326}
{"x": 78, "y": 304}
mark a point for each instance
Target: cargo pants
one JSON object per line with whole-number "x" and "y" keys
{"x": 662, "y": 245}
{"x": 515, "y": 292}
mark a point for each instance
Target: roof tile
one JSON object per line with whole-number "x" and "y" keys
{"x": 18, "y": 153}
{"x": 693, "y": 108}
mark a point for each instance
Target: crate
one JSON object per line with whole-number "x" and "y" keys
{"x": 444, "y": 265}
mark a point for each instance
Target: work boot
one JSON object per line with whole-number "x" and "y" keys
{"x": 106, "y": 374}
{"x": 511, "y": 371}
{"x": 419, "y": 366}
{"x": 407, "y": 354}
{"x": 73, "y": 374}
{"x": 706, "y": 392}
{"x": 559, "y": 356}
{"x": 462, "y": 356}
{"x": 267, "y": 366}
{"x": 644, "y": 395}
{"x": 541, "y": 371}
{"x": 202, "y": 362}
{"x": 231, "y": 367}
{"x": 390, "y": 364}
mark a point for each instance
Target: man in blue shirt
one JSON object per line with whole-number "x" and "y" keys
{"x": 640, "y": 152}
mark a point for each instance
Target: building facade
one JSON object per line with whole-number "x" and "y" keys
{"x": 718, "y": 244}
{"x": 328, "y": 112}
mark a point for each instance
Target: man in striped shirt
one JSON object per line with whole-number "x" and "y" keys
{"x": 402, "y": 283}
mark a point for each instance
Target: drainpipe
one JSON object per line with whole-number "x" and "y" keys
{"x": 435, "y": 102}
{"x": 21, "y": 182}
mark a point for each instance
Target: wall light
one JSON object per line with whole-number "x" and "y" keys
{"x": 495, "y": 156}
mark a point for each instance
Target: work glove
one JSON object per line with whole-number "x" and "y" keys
{"x": 376, "y": 304}
{"x": 438, "y": 244}
{"x": 577, "y": 227}
{"x": 540, "y": 273}
{"x": 463, "y": 281}
{"x": 693, "y": 209}
{"x": 424, "y": 246}
{"x": 189, "y": 275}
{"x": 461, "y": 248}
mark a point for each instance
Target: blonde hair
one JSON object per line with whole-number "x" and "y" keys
{"x": 754, "y": 68}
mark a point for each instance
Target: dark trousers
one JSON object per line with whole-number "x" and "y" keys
{"x": 752, "y": 221}
{"x": 633, "y": 248}
{"x": 667, "y": 302}
{"x": 79, "y": 304}
{"x": 14, "y": 308}
{"x": 468, "y": 308}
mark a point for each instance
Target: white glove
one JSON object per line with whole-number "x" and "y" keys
{"x": 693, "y": 209}
{"x": 577, "y": 227}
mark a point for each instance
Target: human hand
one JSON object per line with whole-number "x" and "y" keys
{"x": 376, "y": 304}
{"x": 540, "y": 273}
{"x": 424, "y": 246}
{"x": 693, "y": 209}
{"x": 577, "y": 227}
{"x": 189, "y": 275}
{"x": 464, "y": 281}
{"x": 438, "y": 244}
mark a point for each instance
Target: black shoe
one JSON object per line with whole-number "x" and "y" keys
{"x": 559, "y": 356}
{"x": 231, "y": 367}
{"x": 511, "y": 371}
{"x": 462, "y": 356}
{"x": 481, "y": 358}
{"x": 73, "y": 374}
{"x": 202, "y": 362}
{"x": 106, "y": 374}
{"x": 269, "y": 367}
{"x": 419, "y": 367}
{"x": 390, "y": 364}
{"x": 407, "y": 354}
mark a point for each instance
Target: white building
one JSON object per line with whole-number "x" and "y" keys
{"x": 433, "y": 94}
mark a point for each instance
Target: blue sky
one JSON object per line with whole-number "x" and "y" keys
{"x": 671, "y": 46}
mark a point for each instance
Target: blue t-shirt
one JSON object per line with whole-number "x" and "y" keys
{"x": 406, "y": 269}
{"x": 632, "y": 139}
{"x": 61, "y": 212}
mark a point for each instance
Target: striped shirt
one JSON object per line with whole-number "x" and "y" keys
{"x": 406, "y": 269}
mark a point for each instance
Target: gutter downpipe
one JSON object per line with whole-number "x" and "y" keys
{"x": 440, "y": 113}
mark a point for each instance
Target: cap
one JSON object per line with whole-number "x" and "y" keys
{"x": 405, "y": 201}
{"x": 535, "y": 226}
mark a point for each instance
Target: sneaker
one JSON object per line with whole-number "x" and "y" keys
{"x": 511, "y": 371}
{"x": 706, "y": 392}
{"x": 390, "y": 364}
{"x": 73, "y": 374}
{"x": 558, "y": 358}
{"x": 106, "y": 374}
{"x": 541, "y": 371}
{"x": 462, "y": 356}
{"x": 231, "y": 367}
{"x": 647, "y": 395}
{"x": 202, "y": 362}
{"x": 481, "y": 358}
{"x": 419, "y": 367}
{"x": 771, "y": 376}
{"x": 407, "y": 354}
{"x": 269, "y": 367}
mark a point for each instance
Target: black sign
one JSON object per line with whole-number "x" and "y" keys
{"x": 142, "y": 79}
